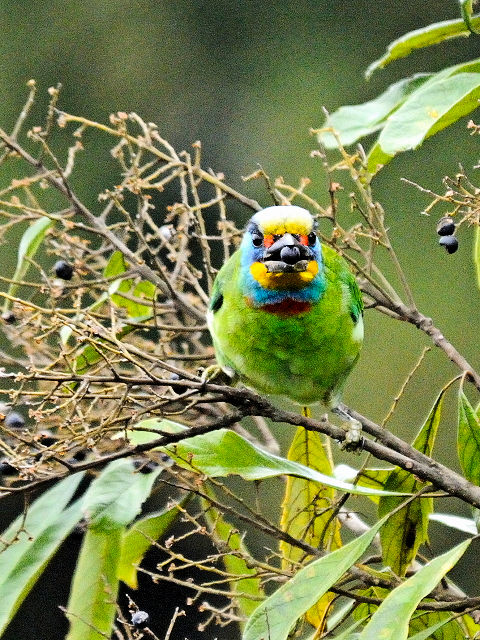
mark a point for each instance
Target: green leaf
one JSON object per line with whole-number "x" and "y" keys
{"x": 47, "y": 524}
{"x": 307, "y": 512}
{"x": 275, "y": 617}
{"x": 136, "y": 436}
{"x": 373, "y": 478}
{"x": 466, "y": 9}
{"x": 44, "y": 511}
{"x": 223, "y": 452}
{"x": 468, "y": 441}
{"x": 90, "y": 355}
{"x": 116, "y": 496}
{"x": 407, "y": 529}
{"x": 352, "y": 122}
{"x": 467, "y": 525}
{"x": 235, "y": 564}
{"x": 420, "y": 38}
{"x": 365, "y": 610}
{"x": 428, "y": 110}
{"x": 91, "y": 606}
{"x": 138, "y": 539}
{"x": 115, "y": 266}
{"x": 391, "y": 620}
{"x": 437, "y": 625}
{"x": 27, "y": 248}
{"x": 144, "y": 289}
{"x": 67, "y": 330}
{"x": 377, "y": 158}
{"x": 347, "y": 634}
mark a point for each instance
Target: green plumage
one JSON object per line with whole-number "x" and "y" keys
{"x": 305, "y": 357}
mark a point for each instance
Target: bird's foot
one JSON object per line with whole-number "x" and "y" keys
{"x": 353, "y": 431}
{"x": 221, "y": 375}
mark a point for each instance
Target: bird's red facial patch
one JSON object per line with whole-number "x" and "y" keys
{"x": 287, "y": 308}
{"x": 268, "y": 240}
{"x": 303, "y": 239}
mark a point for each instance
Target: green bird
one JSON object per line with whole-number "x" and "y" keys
{"x": 286, "y": 313}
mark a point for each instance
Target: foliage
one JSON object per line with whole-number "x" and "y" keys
{"x": 108, "y": 363}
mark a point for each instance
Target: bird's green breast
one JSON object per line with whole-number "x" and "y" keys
{"x": 305, "y": 356}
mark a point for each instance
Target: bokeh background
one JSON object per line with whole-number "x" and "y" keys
{"x": 249, "y": 79}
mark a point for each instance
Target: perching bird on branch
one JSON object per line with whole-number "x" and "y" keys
{"x": 286, "y": 313}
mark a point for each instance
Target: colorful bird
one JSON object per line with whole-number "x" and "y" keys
{"x": 286, "y": 313}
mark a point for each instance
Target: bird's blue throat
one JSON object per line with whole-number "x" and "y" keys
{"x": 282, "y": 300}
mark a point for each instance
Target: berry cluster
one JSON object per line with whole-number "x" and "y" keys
{"x": 446, "y": 229}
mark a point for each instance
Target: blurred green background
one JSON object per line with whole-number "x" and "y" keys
{"x": 249, "y": 79}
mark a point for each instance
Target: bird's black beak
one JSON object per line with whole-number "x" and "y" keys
{"x": 287, "y": 255}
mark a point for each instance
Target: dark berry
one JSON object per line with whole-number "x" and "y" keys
{"x": 47, "y": 438}
{"x": 449, "y": 242}
{"x": 445, "y": 226}
{"x": 140, "y": 619}
{"x": 14, "y": 420}
{"x": 63, "y": 270}
{"x": 145, "y": 467}
{"x": 6, "y": 468}
{"x": 8, "y": 317}
{"x": 80, "y": 455}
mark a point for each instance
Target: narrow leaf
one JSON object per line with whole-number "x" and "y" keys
{"x": 27, "y": 248}
{"x": 223, "y": 452}
{"x": 91, "y": 606}
{"x": 307, "y": 512}
{"x": 407, "y": 529}
{"x": 275, "y": 617}
{"x": 352, "y": 122}
{"x": 420, "y": 38}
{"x": 468, "y": 441}
{"x": 22, "y": 572}
{"x": 116, "y": 496}
{"x": 16, "y": 540}
{"x": 373, "y": 478}
{"x": 437, "y": 625}
{"x": 466, "y": 9}
{"x": 365, "y": 610}
{"x": 137, "y": 540}
{"x": 347, "y": 634}
{"x": 391, "y": 620}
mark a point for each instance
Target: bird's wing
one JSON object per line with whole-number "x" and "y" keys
{"x": 337, "y": 270}
{"x": 224, "y": 280}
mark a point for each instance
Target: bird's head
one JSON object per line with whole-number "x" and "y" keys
{"x": 282, "y": 255}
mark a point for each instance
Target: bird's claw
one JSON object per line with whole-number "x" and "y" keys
{"x": 353, "y": 440}
{"x": 353, "y": 436}
{"x": 221, "y": 375}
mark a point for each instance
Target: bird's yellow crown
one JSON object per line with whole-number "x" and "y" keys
{"x": 287, "y": 219}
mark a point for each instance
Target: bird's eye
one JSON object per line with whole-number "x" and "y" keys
{"x": 312, "y": 238}
{"x": 257, "y": 239}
